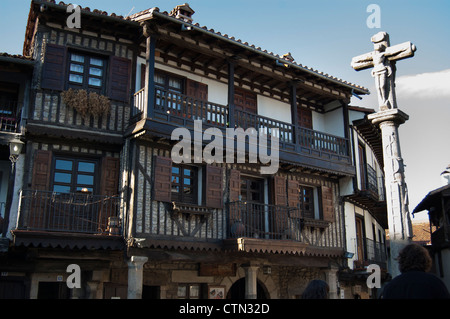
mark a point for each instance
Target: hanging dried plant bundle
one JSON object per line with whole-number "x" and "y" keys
{"x": 86, "y": 104}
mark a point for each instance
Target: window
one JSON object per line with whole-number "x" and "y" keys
{"x": 184, "y": 184}
{"x": 169, "y": 82}
{"x": 86, "y": 72}
{"x": 74, "y": 175}
{"x": 307, "y": 201}
{"x": 188, "y": 291}
{"x": 252, "y": 189}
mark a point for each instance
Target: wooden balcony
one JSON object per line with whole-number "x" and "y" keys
{"x": 317, "y": 150}
{"x": 264, "y": 228}
{"x": 74, "y": 219}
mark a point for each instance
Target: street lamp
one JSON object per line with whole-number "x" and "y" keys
{"x": 15, "y": 148}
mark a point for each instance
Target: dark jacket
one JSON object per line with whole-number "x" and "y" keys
{"x": 415, "y": 285}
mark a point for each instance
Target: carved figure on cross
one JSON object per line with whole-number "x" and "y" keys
{"x": 383, "y": 60}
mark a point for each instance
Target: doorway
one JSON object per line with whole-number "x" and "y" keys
{"x": 237, "y": 290}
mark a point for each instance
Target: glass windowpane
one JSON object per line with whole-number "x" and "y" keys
{"x": 63, "y": 178}
{"x": 76, "y": 68}
{"x": 95, "y": 82}
{"x": 96, "y": 61}
{"x": 77, "y": 58}
{"x": 61, "y": 189}
{"x": 95, "y": 71}
{"x": 85, "y": 179}
{"x": 86, "y": 167}
{"x": 75, "y": 78}
{"x": 64, "y": 165}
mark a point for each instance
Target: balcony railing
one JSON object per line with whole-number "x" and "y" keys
{"x": 373, "y": 252}
{"x": 69, "y": 212}
{"x": 9, "y": 119}
{"x": 180, "y": 109}
{"x": 255, "y": 220}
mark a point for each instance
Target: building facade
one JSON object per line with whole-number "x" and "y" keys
{"x": 365, "y": 208}
{"x": 99, "y": 187}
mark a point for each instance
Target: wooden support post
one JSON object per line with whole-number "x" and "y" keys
{"x": 231, "y": 119}
{"x": 149, "y": 110}
{"x": 294, "y": 111}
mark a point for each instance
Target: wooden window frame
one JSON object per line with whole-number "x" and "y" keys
{"x": 179, "y": 196}
{"x": 245, "y": 182}
{"x": 188, "y": 291}
{"x": 85, "y": 74}
{"x": 75, "y": 172}
{"x": 167, "y": 76}
{"x": 307, "y": 208}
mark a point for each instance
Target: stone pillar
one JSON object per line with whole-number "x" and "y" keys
{"x": 251, "y": 277}
{"x": 399, "y": 220}
{"x": 331, "y": 279}
{"x": 92, "y": 289}
{"x": 136, "y": 276}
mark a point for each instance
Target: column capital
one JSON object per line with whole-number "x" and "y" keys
{"x": 395, "y": 116}
{"x": 137, "y": 261}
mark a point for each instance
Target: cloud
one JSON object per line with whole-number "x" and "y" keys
{"x": 425, "y": 85}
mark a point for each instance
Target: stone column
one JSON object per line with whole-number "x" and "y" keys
{"x": 136, "y": 276}
{"x": 399, "y": 220}
{"x": 331, "y": 279}
{"x": 92, "y": 290}
{"x": 251, "y": 277}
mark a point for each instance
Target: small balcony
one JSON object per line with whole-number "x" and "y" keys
{"x": 69, "y": 212}
{"x": 374, "y": 186}
{"x": 264, "y": 228}
{"x": 318, "y": 149}
{"x": 9, "y": 119}
{"x": 53, "y": 218}
{"x": 373, "y": 252}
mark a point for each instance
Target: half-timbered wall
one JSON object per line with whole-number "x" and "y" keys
{"x": 154, "y": 218}
{"x": 64, "y": 148}
{"x": 48, "y": 105}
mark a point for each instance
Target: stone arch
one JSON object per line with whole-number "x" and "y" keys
{"x": 266, "y": 283}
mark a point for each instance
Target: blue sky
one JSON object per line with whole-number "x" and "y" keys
{"x": 325, "y": 35}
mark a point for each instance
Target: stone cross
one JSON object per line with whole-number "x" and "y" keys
{"x": 389, "y": 118}
{"x": 382, "y": 60}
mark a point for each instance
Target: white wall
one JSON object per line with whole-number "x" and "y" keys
{"x": 274, "y": 109}
{"x": 350, "y": 213}
{"x": 445, "y": 255}
{"x": 217, "y": 91}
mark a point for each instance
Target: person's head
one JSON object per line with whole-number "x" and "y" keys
{"x": 414, "y": 257}
{"x": 316, "y": 289}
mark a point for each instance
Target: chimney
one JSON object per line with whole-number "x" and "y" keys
{"x": 288, "y": 57}
{"x": 445, "y": 176}
{"x": 183, "y": 12}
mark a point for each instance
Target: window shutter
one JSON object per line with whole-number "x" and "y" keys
{"x": 280, "y": 197}
{"x": 327, "y": 204}
{"x": 214, "y": 184}
{"x": 305, "y": 118}
{"x": 40, "y": 181}
{"x": 119, "y": 78}
{"x": 235, "y": 185}
{"x": 163, "y": 179}
{"x": 245, "y": 101}
{"x": 41, "y": 170}
{"x": 197, "y": 90}
{"x": 53, "y": 70}
{"x": 294, "y": 198}
{"x": 109, "y": 184}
